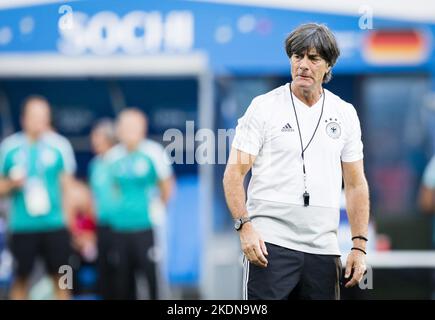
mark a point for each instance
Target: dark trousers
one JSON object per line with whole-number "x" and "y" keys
{"x": 106, "y": 285}
{"x": 293, "y": 274}
{"x": 134, "y": 256}
{"x": 54, "y": 247}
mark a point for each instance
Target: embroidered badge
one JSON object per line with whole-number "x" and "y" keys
{"x": 333, "y": 128}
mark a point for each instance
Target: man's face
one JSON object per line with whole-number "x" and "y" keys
{"x": 100, "y": 143}
{"x": 308, "y": 69}
{"x": 36, "y": 118}
{"x": 131, "y": 129}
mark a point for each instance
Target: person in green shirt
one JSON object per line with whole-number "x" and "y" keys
{"x": 134, "y": 177}
{"x": 103, "y": 138}
{"x": 34, "y": 170}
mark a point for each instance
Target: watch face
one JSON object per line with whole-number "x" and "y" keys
{"x": 237, "y": 224}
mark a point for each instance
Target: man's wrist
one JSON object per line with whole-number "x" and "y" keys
{"x": 240, "y": 222}
{"x": 359, "y": 243}
{"x": 359, "y": 250}
{"x": 247, "y": 227}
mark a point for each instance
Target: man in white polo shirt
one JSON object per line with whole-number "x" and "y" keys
{"x": 300, "y": 140}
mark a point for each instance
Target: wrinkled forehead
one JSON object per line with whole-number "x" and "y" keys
{"x": 311, "y": 51}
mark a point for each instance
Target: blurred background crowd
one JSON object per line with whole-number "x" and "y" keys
{"x": 89, "y": 90}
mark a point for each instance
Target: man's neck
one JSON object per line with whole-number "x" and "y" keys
{"x": 132, "y": 147}
{"x": 307, "y": 96}
{"x": 103, "y": 153}
{"x": 32, "y": 137}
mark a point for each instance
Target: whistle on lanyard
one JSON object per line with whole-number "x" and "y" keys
{"x": 306, "y": 196}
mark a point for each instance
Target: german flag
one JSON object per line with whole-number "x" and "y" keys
{"x": 395, "y": 47}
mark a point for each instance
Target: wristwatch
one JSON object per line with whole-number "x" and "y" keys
{"x": 240, "y": 222}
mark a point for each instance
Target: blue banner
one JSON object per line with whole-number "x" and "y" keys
{"x": 235, "y": 38}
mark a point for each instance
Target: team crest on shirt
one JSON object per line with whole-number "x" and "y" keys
{"x": 333, "y": 128}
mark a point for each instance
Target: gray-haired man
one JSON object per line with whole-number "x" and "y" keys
{"x": 300, "y": 141}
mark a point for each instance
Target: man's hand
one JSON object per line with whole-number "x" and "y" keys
{"x": 253, "y": 246}
{"x": 356, "y": 261}
{"x": 17, "y": 183}
{"x": 8, "y": 185}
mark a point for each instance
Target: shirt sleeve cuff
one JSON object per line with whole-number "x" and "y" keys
{"x": 245, "y": 147}
{"x": 352, "y": 158}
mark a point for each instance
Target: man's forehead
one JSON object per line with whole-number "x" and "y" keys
{"x": 36, "y": 106}
{"x": 312, "y": 52}
{"x": 309, "y": 51}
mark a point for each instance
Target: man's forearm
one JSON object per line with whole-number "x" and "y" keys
{"x": 358, "y": 207}
{"x": 68, "y": 194}
{"x": 426, "y": 199}
{"x": 166, "y": 187}
{"x": 235, "y": 195}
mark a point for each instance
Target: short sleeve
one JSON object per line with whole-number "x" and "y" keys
{"x": 68, "y": 158}
{"x": 429, "y": 174}
{"x": 61, "y": 162}
{"x": 249, "y": 135}
{"x": 3, "y": 172}
{"x": 154, "y": 174}
{"x": 8, "y": 149}
{"x": 353, "y": 146}
{"x": 64, "y": 146}
{"x": 160, "y": 159}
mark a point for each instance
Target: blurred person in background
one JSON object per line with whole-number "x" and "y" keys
{"x": 103, "y": 138}
{"x": 36, "y": 170}
{"x": 427, "y": 202}
{"x": 83, "y": 228}
{"x": 135, "y": 175}
{"x": 300, "y": 140}
{"x": 83, "y": 234}
{"x": 159, "y": 198}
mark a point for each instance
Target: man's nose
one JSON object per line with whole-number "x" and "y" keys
{"x": 303, "y": 64}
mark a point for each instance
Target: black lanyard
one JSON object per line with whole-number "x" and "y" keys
{"x": 306, "y": 195}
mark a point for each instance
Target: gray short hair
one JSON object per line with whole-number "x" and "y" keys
{"x": 107, "y": 127}
{"x": 317, "y": 36}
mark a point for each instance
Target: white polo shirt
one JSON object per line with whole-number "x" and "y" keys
{"x": 269, "y": 131}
